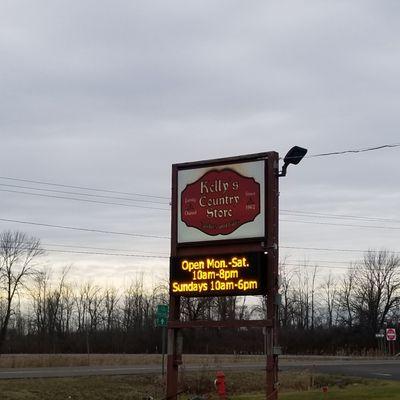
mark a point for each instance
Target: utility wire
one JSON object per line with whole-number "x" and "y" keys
{"x": 105, "y": 254}
{"x": 167, "y": 237}
{"x": 384, "y": 146}
{"x": 336, "y": 216}
{"x": 83, "y": 229}
{"x": 330, "y": 249}
{"x": 83, "y": 200}
{"x": 348, "y": 225}
{"x": 82, "y": 187}
{"x": 103, "y": 248}
{"x": 107, "y": 249}
{"x": 298, "y": 263}
{"x": 316, "y": 266}
{"x": 307, "y": 261}
{"x": 165, "y": 253}
{"x": 84, "y": 194}
{"x": 283, "y": 211}
{"x": 40, "y": 182}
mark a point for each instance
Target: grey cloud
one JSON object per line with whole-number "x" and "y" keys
{"x": 103, "y": 95}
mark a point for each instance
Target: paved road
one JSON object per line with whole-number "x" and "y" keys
{"x": 380, "y": 369}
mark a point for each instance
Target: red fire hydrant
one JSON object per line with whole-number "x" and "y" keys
{"x": 220, "y": 385}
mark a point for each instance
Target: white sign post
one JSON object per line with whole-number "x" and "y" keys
{"x": 391, "y": 337}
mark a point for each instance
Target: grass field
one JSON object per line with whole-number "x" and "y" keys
{"x": 241, "y": 386}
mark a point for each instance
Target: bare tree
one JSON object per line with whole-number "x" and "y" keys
{"x": 195, "y": 308}
{"x": 345, "y": 298}
{"x": 18, "y": 253}
{"x": 302, "y": 298}
{"x": 314, "y": 275}
{"x": 376, "y": 288}
{"x": 111, "y": 299}
{"x": 225, "y": 307}
{"x": 330, "y": 292}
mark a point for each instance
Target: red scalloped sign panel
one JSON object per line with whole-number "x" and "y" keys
{"x": 220, "y": 202}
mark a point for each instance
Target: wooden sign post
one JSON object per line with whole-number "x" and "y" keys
{"x": 224, "y": 242}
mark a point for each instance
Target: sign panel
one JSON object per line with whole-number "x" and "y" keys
{"x": 221, "y": 202}
{"x": 218, "y": 275}
{"x": 390, "y": 334}
{"x": 162, "y": 315}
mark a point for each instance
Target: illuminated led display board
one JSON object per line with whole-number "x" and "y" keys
{"x": 218, "y": 275}
{"x": 221, "y": 202}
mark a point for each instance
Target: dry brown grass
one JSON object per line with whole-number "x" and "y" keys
{"x": 75, "y": 360}
{"x": 240, "y": 386}
{"x": 71, "y": 360}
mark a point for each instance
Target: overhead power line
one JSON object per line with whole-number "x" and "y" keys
{"x": 336, "y": 216}
{"x": 306, "y": 261}
{"x": 348, "y": 225}
{"x": 333, "y": 153}
{"x": 83, "y": 200}
{"x": 85, "y": 194}
{"x": 74, "y": 228}
{"x": 104, "y": 249}
{"x": 105, "y": 254}
{"x": 283, "y": 211}
{"x": 331, "y": 249}
{"x": 324, "y": 249}
{"x": 47, "y": 183}
{"x": 167, "y": 237}
{"x": 165, "y": 253}
{"x": 82, "y": 187}
{"x": 317, "y": 266}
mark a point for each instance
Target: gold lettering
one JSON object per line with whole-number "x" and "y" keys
{"x": 192, "y": 265}
{"x": 202, "y": 201}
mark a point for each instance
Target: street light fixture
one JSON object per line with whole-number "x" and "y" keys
{"x": 293, "y": 156}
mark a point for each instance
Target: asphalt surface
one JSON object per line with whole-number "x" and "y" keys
{"x": 378, "y": 369}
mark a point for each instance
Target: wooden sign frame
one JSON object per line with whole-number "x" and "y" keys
{"x": 268, "y": 244}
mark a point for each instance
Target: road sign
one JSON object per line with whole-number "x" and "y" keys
{"x": 162, "y": 315}
{"x": 161, "y": 321}
{"x": 390, "y": 334}
{"x": 379, "y": 335}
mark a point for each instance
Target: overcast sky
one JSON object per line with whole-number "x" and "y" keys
{"x": 103, "y": 94}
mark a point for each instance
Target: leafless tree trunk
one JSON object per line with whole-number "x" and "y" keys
{"x": 18, "y": 253}
{"x": 195, "y": 308}
{"x": 287, "y": 299}
{"x": 330, "y": 292}
{"x": 313, "y": 297}
{"x": 345, "y": 298}
{"x": 376, "y": 288}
